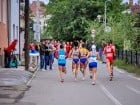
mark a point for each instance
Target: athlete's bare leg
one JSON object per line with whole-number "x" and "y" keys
{"x": 94, "y": 73}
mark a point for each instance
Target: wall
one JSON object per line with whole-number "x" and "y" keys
{"x": 14, "y": 23}
{"x": 3, "y": 27}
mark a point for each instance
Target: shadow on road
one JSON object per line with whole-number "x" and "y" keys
{"x": 11, "y": 95}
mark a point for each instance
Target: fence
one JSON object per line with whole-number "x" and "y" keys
{"x": 132, "y": 57}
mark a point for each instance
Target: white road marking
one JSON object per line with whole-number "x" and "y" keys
{"x": 134, "y": 77}
{"x": 133, "y": 89}
{"x": 114, "y": 100}
{"x": 120, "y": 71}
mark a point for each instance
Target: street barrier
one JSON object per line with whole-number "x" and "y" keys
{"x": 132, "y": 57}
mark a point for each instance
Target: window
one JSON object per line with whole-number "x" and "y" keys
{"x": 17, "y": 31}
{"x": 14, "y": 31}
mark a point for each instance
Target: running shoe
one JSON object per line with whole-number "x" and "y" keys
{"x": 90, "y": 76}
{"x": 93, "y": 83}
{"x": 83, "y": 78}
{"x": 110, "y": 78}
{"x": 75, "y": 79}
{"x": 62, "y": 81}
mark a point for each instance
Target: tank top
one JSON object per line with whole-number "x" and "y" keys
{"x": 83, "y": 52}
{"x": 75, "y": 53}
{"x": 61, "y": 57}
{"x": 93, "y": 57}
{"x": 108, "y": 49}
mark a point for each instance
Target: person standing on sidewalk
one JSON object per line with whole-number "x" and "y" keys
{"x": 93, "y": 55}
{"x": 46, "y": 54}
{"x": 109, "y": 52}
{"x": 62, "y": 62}
{"x": 84, "y": 53}
{"x": 51, "y": 54}
{"x": 75, "y": 56}
{"x": 42, "y": 55}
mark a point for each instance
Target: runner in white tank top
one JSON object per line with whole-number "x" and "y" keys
{"x": 75, "y": 59}
{"x": 93, "y": 55}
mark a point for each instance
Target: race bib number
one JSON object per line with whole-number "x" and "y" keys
{"x": 61, "y": 56}
{"x": 92, "y": 59}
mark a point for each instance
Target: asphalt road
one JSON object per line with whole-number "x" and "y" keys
{"x": 46, "y": 89}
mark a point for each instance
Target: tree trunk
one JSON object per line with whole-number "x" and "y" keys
{"x": 26, "y": 46}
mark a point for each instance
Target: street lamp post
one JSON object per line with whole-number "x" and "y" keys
{"x": 99, "y": 18}
{"x": 105, "y": 11}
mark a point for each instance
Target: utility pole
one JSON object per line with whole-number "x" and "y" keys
{"x": 105, "y": 9}
{"x": 26, "y": 45}
{"x": 37, "y": 29}
{"x": 105, "y": 13}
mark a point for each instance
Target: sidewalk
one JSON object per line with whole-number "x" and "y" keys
{"x": 14, "y": 76}
{"x": 13, "y": 84}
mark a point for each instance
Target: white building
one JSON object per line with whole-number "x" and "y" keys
{"x": 43, "y": 22}
{"x": 14, "y": 22}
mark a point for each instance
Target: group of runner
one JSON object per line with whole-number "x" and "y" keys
{"x": 83, "y": 57}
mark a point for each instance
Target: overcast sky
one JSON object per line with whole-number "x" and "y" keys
{"x": 46, "y": 1}
{"x": 135, "y": 1}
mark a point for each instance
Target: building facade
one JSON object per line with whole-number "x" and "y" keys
{"x": 9, "y": 25}
{"x": 14, "y": 23}
{"x": 135, "y": 8}
{"x": 3, "y": 28}
{"x": 22, "y": 28}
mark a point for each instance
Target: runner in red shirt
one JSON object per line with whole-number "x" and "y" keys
{"x": 109, "y": 52}
{"x": 68, "y": 48}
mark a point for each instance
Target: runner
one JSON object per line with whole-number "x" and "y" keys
{"x": 114, "y": 54}
{"x": 109, "y": 52}
{"x": 75, "y": 56}
{"x": 62, "y": 62}
{"x": 93, "y": 55}
{"x": 83, "y": 60}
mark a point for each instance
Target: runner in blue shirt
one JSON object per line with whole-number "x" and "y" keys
{"x": 62, "y": 62}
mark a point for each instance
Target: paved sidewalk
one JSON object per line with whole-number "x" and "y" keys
{"x": 14, "y": 76}
{"x": 13, "y": 84}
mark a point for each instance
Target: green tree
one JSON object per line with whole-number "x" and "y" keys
{"x": 72, "y": 19}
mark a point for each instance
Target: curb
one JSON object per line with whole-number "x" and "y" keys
{"x": 34, "y": 74}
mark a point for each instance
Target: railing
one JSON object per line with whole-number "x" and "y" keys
{"x": 132, "y": 57}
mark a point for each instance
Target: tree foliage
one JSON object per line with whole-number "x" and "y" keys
{"x": 72, "y": 19}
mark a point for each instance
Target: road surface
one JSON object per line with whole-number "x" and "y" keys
{"x": 46, "y": 89}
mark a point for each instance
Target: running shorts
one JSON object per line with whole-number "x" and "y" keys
{"x": 60, "y": 64}
{"x": 83, "y": 60}
{"x": 93, "y": 65}
{"x": 76, "y": 60}
{"x": 110, "y": 59}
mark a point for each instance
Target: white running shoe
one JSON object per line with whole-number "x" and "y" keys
{"x": 43, "y": 70}
{"x": 83, "y": 78}
{"x": 75, "y": 79}
{"x": 93, "y": 83}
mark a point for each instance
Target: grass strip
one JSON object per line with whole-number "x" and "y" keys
{"x": 131, "y": 68}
